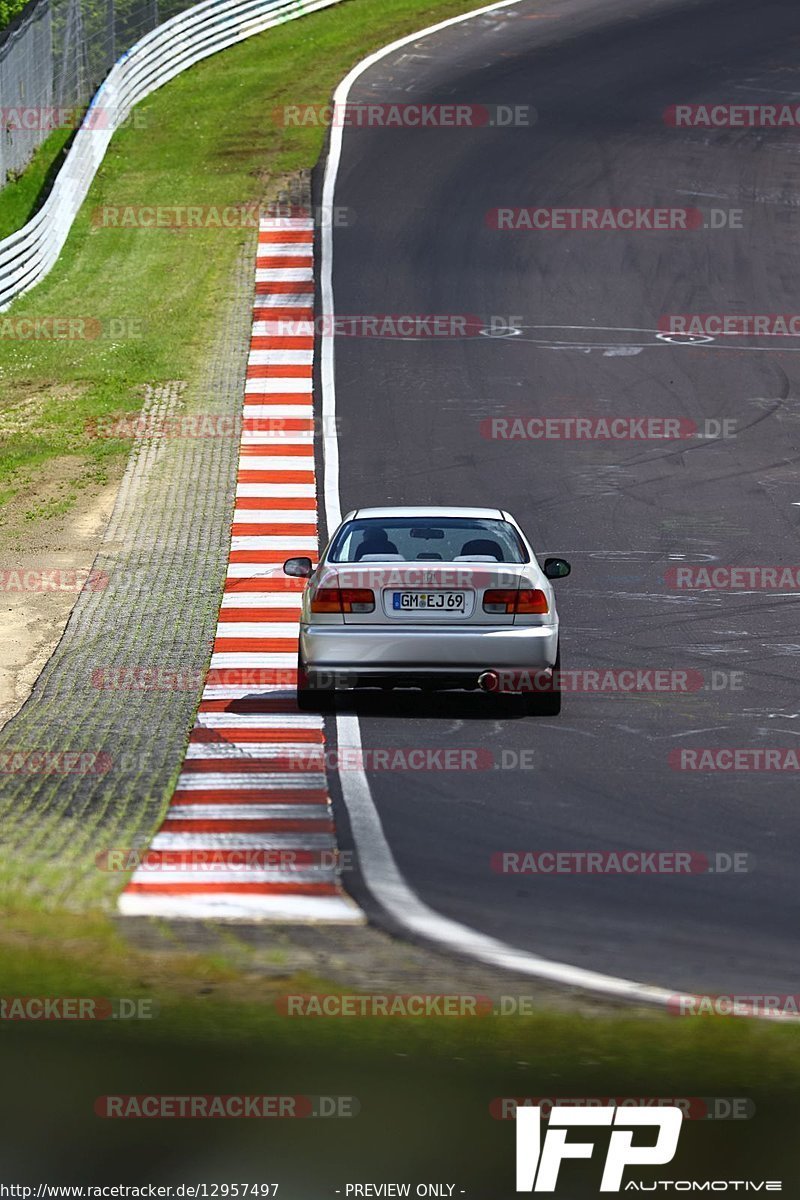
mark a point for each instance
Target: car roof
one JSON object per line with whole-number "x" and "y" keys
{"x": 427, "y": 511}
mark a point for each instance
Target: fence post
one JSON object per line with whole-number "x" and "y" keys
{"x": 111, "y": 16}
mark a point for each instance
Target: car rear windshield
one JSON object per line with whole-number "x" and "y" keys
{"x": 431, "y": 539}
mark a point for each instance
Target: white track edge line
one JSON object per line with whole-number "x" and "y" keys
{"x": 379, "y": 869}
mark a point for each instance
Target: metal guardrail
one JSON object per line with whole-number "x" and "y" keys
{"x": 27, "y": 255}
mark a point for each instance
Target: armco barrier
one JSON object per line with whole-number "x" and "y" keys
{"x": 27, "y": 255}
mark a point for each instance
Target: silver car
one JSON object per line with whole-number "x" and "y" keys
{"x": 430, "y": 598}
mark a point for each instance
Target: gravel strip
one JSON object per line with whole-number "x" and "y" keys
{"x": 153, "y": 608}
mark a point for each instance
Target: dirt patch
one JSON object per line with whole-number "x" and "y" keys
{"x": 46, "y": 557}
{"x": 22, "y": 401}
{"x": 254, "y": 961}
{"x": 19, "y": 416}
{"x": 52, "y": 521}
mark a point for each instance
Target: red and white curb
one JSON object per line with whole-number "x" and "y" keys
{"x": 249, "y": 832}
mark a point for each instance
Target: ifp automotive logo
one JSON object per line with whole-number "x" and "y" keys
{"x": 539, "y": 1158}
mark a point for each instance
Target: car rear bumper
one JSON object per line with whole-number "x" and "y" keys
{"x": 363, "y": 652}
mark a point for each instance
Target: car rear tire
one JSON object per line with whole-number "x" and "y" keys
{"x": 309, "y": 697}
{"x": 547, "y": 704}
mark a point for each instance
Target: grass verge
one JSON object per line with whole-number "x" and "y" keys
{"x": 152, "y": 297}
{"x": 21, "y": 198}
{"x": 217, "y": 1030}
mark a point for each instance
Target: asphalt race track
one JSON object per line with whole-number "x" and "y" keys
{"x": 625, "y": 512}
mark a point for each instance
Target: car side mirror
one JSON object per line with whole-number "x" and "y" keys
{"x": 299, "y": 567}
{"x": 556, "y": 568}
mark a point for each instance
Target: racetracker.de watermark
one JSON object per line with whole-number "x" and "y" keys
{"x": 218, "y": 216}
{"x": 713, "y": 325}
{"x": 159, "y": 677}
{"x": 429, "y": 575}
{"x": 766, "y": 115}
{"x": 411, "y": 1004}
{"x": 49, "y": 117}
{"x": 55, "y": 328}
{"x": 694, "y": 1108}
{"x": 590, "y": 219}
{"x": 77, "y": 1008}
{"x": 187, "y": 426}
{"x": 406, "y": 115}
{"x": 438, "y": 326}
{"x": 620, "y": 862}
{"x": 384, "y": 1004}
{"x": 743, "y": 1004}
{"x": 192, "y": 861}
{"x": 729, "y": 759}
{"x": 147, "y": 679}
{"x": 225, "y": 1106}
{"x": 51, "y": 579}
{"x": 618, "y": 681}
{"x": 783, "y": 577}
{"x": 606, "y": 428}
{"x": 54, "y": 762}
{"x": 373, "y": 758}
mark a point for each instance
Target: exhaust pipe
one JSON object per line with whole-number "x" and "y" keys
{"x": 516, "y": 683}
{"x": 489, "y": 681}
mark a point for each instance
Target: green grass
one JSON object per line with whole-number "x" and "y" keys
{"x": 22, "y": 196}
{"x": 62, "y": 953}
{"x": 424, "y": 1086}
{"x": 10, "y": 9}
{"x": 207, "y": 138}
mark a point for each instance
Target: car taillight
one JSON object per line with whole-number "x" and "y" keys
{"x": 506, "y": 600}
{"x": 499, "y": 600}
{"x": 326, "y": 600}
{"x": 343, "y": 600}
{"x": 531, "y": 600}
{"x": 357, "y": 600}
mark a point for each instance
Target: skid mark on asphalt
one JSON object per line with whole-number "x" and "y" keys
{"x": 249, "y": 831}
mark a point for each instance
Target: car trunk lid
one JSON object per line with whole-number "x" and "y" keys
{"x": 424, "y": 593}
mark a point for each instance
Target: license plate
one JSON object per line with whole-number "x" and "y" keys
{"x": 449, "y": 601}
